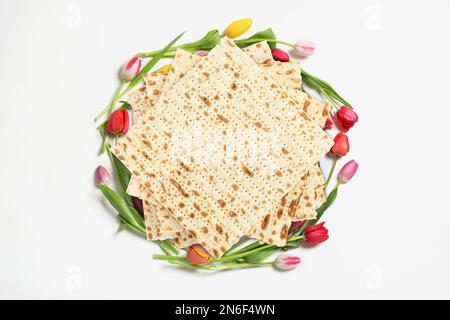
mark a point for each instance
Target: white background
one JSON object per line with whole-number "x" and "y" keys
{"x": 389, "y": 227}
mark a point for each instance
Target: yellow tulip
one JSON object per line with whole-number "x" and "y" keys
{"x": 165, "y": 69}
{"x": 238, "y": 28}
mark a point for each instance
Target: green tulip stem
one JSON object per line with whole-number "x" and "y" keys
{"x": 163, "y": 247}
{"x": 110, "y": 106}
{"x": 167, "y": 257}
{"x": 169, "y": 53}
{"x": 284, "y": 43}
{"x": 228, "y": 266}
{"x": 333, "y": 167}
{"x": 241, "y": 254}
{"x": 329, "y": 98}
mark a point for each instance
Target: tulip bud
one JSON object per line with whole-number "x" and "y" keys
{"x": 286, "y": 261}
{"x": 315, "y": 234}
{"x": 304, "y": 48}
{"x": 297, "y": 224}
{"x": 328, "y": 124}
{"x": 118, "y": 122}
{"x": 102, "y": 176}
{"x": 346, "y": 118}
{"x": 197, "y": 255}
{"x": 138, "y": 205}
{"x": 131, "y": 69}
{"x": 238, "y": 28}
{"x": 341, "y": 145}
{"x": 348, "y": 171}
{"x": 280, "y": 55}
{"x": 202, "y": 53}
{"x": 164, "y": 69}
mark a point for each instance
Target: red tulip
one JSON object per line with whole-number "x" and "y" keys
{"x": 197, "y": 255}
{"x": 341, "y": 145}
{"x": 280, "y": 55}
{"x": 328, "y": 124}
{"x": 297, "y": 224}
{"x": 118, "y": 123}
{"x": 315, "y": 234}
{"x": 346, "y": 118}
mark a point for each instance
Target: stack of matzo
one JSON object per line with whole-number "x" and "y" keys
{"x": 244, "y": 99}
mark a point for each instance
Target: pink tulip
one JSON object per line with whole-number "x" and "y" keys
{"x": 348, "y": 171}
{"x": 102, "y": 176}
{"x": 286, "y": 261}
{"x": 202, "y": 53}
{"x": 304, "y": 48}
{"x": 131, "y": 69}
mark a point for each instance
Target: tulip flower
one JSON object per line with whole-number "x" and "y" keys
{"x": 297, "y": 224}
{"x": 304, "y": 48}
{"x": 345, "y": 118}
{"x": 202, "y": 53}
{"x": 138, "y": 205}
{"x": 238, "y": 28}
{"x": 315, "y": 234}
{"x": 328, "y": 124}
{"x": 118, "y": 122}
{"x": 131, "y": 69}
{"x": 286, "y": 261}
{"x": 280, "y": 55}
{"x": 341, "y": 145}
{"x": 164, "y": 69}
{"x": 348, "y": 171}
{"x": 197, "y": 255}
{"x": 102, "y": 176}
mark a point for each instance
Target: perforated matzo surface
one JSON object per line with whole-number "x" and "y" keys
{"x": 203, "y": 101}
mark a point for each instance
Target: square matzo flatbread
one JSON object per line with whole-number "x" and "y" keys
{"x": 227, "y": 57}
{"x": 288, "y": 75}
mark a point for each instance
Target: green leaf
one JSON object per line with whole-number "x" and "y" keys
{"x": 321, "y": 210}
{"x": 125, "y": 105}
{"x": 123, "y": 176}
{"x": 209, "y": 41}
{"x": 293, "y": 244}
{"x": 137, "y": 216}
{"x": 265, "y": 35}
{"x": 123, "y": 226}
{"x": 323, "y": 86}
{"x": 150, "y": 65}
{"x": 120, "y": 205}
{"x": 171, "y": 247}
{"x": 249, "y": 247}
{"x": 260, "y": 256}
{"x": 330, "y": 200}
{"x": 163, "y": 247}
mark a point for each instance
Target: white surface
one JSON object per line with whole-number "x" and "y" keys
{"x": 389, "y": 227}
